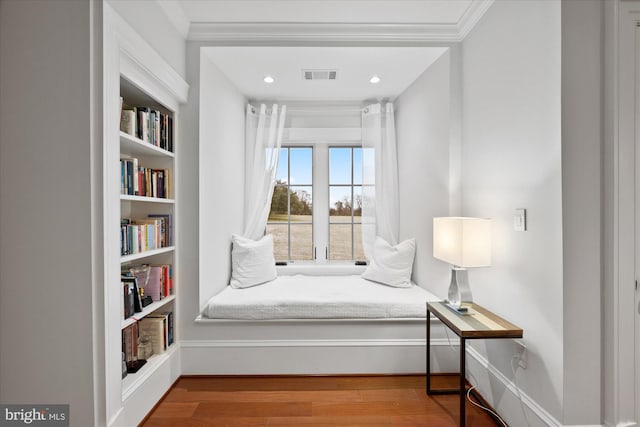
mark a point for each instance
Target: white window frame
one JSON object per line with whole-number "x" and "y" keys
{"x": 321, "y": 192}
{"x": 352, "y": 185}
{"x": 288, "y": 186}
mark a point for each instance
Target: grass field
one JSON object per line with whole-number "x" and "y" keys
{"x": 302, "y": 237}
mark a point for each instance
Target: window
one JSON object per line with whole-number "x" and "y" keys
{"x": 345, "y": 203}
{"x": 329, "y": 229}
{"x": 291, "y": 216}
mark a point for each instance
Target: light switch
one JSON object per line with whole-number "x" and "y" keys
{"x": 520, "y": 220}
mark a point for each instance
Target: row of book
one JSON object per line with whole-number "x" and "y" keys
{"x": 143, "y": 285}
{"x": 136, "y": 180}
{"x": 145, "y": 234}
{"x": 158, "y": 327}
{"x": 147, "y": 124}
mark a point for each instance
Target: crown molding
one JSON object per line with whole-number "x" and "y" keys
{"x": 261, "y": 33}
{"x": 471, "y": 17}
{"x": 176, "y": 15}
{"x": 313, "y": 32}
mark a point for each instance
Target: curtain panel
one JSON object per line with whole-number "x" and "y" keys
{"x": 380, "y": 208}
{"x": 263, "y": 138}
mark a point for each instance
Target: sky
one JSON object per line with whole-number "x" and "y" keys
{"x": 301, "y": 171}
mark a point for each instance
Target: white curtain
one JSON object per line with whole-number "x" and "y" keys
{"x": 380, "y": 208}
{"x": 263, "y": 137}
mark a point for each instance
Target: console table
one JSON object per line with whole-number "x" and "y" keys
{"x": 476, "y": 323}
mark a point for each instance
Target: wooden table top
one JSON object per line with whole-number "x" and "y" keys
{"x": 478, "y": 322}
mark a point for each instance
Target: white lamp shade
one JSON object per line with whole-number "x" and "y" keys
{"x": 463, "y": 242}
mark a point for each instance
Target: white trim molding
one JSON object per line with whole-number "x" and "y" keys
{"x": 140, "y": 59}
{"x": 314, "y": 356}
{"x": 534, "y": 408}
{"x": 261, "y": 33}
{"x": 472, "y": 16}
{"x": 407, "y": 342}
{"x": 620, "y": 371}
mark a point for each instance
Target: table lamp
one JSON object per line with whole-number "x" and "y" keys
{"x": 464, "y": 243}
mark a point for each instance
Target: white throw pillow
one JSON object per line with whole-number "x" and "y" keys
{"x": 391, "y": 265}
{"x": 252, "y": 261}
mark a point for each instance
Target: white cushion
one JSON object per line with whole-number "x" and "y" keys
{"x": 252, "y": 261}
{"x": 391, "y": 265}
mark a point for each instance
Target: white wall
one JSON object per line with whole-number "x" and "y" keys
{"x": 221, "y": 167}
{"x": 151, "y": 22}
{"x": 49, "y": 119}
{"x": 423, "y": 135}
{"x": 511, "y": 158}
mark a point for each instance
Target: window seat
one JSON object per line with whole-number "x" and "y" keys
{"x": 320, "y": 293}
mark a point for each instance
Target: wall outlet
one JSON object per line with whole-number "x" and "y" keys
{"x": 521, "y": 354}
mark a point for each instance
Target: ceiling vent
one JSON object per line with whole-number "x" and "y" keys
{"x": 319, "y": 74}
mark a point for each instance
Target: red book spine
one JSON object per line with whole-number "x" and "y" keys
{"x": 141, "y": 191}
{"x": 165, "y": 276}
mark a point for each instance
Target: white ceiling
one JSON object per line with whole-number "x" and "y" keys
{"x": 283, "y": 24}
{"x": 397, "y": 68}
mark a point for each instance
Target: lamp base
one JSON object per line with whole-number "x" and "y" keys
{"x": 460, "y": 310}
{"x": 459, "y": 290}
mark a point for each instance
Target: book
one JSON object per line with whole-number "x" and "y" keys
{"x": 142, "y": 128}
{"x": 160, "y": 185}
{"x": 153, "y": 327}
{"x": 170, "y": 334}
{"x": 163, "y": 317}
{"x": 130, "y": 342}
{"x": 132, "y": 283}
{"x": 128, "y": 120}
{"x": 130, "y": 336}
{"x": 153, "y": 287}
{"x": 128, "y": 298}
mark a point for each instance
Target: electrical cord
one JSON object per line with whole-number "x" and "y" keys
{"x": 484, "y": 408}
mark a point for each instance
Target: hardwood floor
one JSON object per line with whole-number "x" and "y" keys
{"x": 352, "y": 401}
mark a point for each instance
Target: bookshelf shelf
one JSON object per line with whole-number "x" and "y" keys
{"x": 132, "y": 382}
{"x": 127, "y": 197}
{"x": 147, "y": 254}
{"x": 131, "y": 145}
{"x": 148, "y": 310}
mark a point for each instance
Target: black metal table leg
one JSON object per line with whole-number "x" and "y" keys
{"x": 463, "y": 390}
{"x": 428, "y": 352}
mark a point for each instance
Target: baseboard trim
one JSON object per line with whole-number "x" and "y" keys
{"x": 312, "y": 356}
{"x": 533, "y": 406}
{"x": 314, "y": 343}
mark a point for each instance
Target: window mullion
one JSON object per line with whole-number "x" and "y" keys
{"x": 289, "y": 204}
{"x": 320, "y": 200}
{"x": 353, "y": 241}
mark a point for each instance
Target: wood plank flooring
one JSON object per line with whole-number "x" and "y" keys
{"x": 353, "y": 401}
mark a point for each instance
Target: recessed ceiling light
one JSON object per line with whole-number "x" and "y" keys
{"x": 374, "y": 79}
{"x": 268, "y": 79}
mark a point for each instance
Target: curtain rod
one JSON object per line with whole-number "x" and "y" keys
{"x": 329, "y": 111}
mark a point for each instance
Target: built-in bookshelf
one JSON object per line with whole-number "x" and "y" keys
{"x": 142, "y": 96}
{"x": 147, "y": 233}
